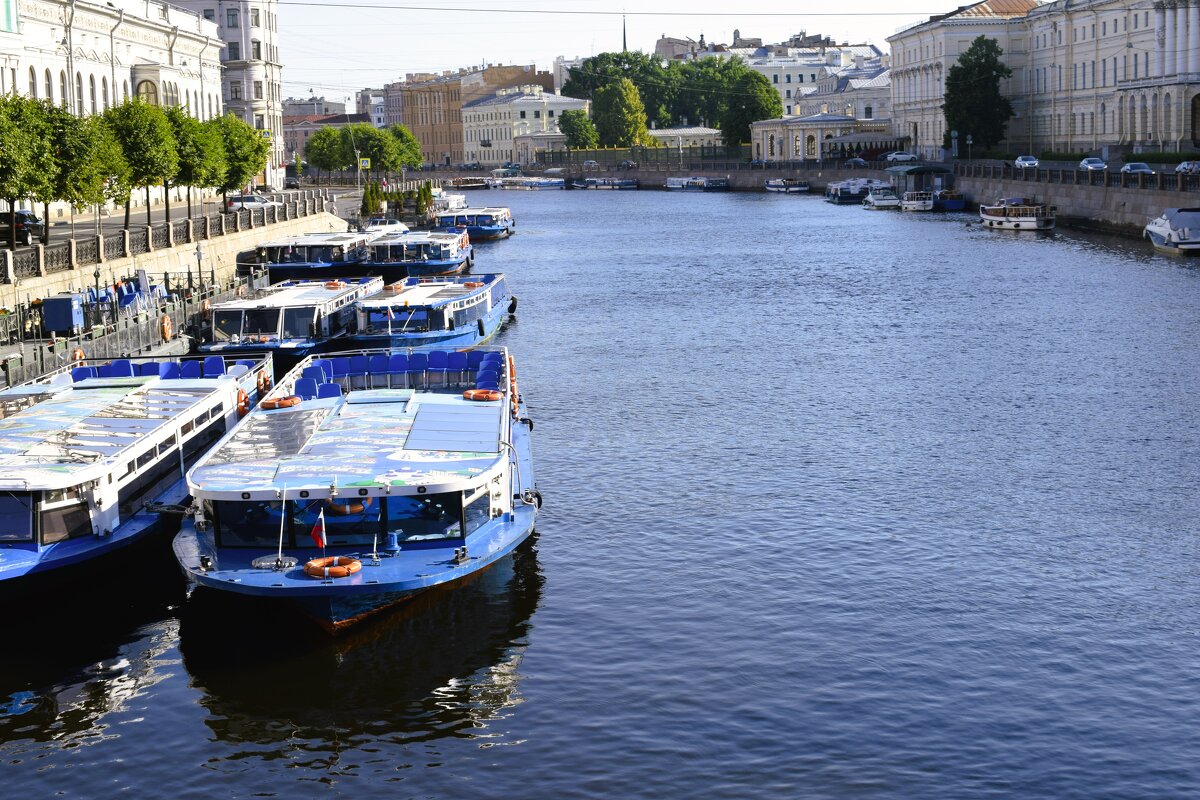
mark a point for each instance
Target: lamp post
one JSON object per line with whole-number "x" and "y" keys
{"x": 954, "y": 144}
{"x": 199, "y": 266}
{"x": 96, "y": 304}
{"x": 969, "y": 142}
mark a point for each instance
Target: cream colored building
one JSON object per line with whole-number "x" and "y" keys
{"x": 687, "y": 136}
{"x": 491, "y": 124}
{"x": 923, "y": 53}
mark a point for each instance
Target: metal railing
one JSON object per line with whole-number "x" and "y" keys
{"x": 1159, "y": 181}
{"x": 114, "y": 247}
{"x": 58, "y": 257}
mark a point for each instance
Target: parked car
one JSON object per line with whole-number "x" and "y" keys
{"x": 291, "y": 183}
{"x": 589, "y": 164}
{"x": 1187, "y": 168}
{"x": 1093, "y": 165}
{"x": 251, "y": 201}
{"x": 627, "y": 164}
{"x": 855, "y": 162}
{"x": 1026, "y": 162}
{"x": 29, "y": 226}
{"x": 898, "y": 156}
{"x": 1137, "y": 168}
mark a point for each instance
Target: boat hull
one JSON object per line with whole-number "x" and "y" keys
{"x": 1017, "y": 223}
{"x": 1164, "y": 245}
{"x": 461, "y": 339}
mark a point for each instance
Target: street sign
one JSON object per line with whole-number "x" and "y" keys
{"x": 364, "y": 163}
{"x": 266, "y": 134}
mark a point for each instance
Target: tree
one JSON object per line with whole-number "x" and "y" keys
{"x": 146, "y": 139}
{"x": 750, "y": 99}
{"x": 201, "y": 153}
{"x": 620, "y": 116}
{"x": 26, "y": 154}
{"x": 85, "y": 159}
{"x": 246, "y": 152}
{"x": 409, "y": 146}
{"x": 579, "y": 129}
{"x": 973, "y": 102}
{"x": 324, "y": 151}
{"x": 655, "y": 84}
{"x": 367, "y": 141}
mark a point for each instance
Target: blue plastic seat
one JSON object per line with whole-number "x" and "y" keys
{"x": 104, "y": 371}
{"x": 326, "y": 366}
{"x": 82, "y": 373}
{"x": 122, "y": 368}
{"x": 418, "y": 363}
{"x": 246, "y": 363}
{"x": 488, "y": 384}
{"x": 359, "y": 365}
{"x": 486, "y": 376}
{"x": 377, "y": 370}
{"x": 316, "y": 373}
{"x": 328, "y": 390}
{"x": 147, "y": 368}
{"x": 214, "y": 366}
{"x": 168, "y": 370}
{"x": 306, "y": 388}
{"x": 191, "y": 369}
{"x": 341, "y": 369}
{"x": 475, "y": 358}
{"x": 397, "y": 370}
{"x": 456, "y": 365}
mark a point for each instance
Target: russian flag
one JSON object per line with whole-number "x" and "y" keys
{"x": 318, "y": 531}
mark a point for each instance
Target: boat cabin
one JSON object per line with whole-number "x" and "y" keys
{"x": 289, "y": 312}
{"x": 430, "y": 304}
{"x": 317, "y": 248}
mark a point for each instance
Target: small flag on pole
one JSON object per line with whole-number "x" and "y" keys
{"x": 318, "y": 531}
{"x": 390, "y": 314}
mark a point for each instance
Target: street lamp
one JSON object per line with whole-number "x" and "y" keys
{"x": 96, "y": 304}
{"x": 969, "y": 142}
{"x": 199, "y": 266}
{"x": 954, "y": 144}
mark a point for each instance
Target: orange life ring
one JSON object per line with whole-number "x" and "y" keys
{"x": 78, "y": 355}
{"x": 281, "y": 402}
{"x": 243, "y": 403}
{"x": 334, "y": 285}
{"x": 332, "y": 567}
{"x": 166, "y": 327}
{"x": 206, "y": 308}
{"x": 481, "y": 394}
{"x": 513, "y": 394}
{"x": 241, "y": 290}
{"x": 472, "y": 285}
{"x": 264, "y": 383}
{"x": 351, "y": 506}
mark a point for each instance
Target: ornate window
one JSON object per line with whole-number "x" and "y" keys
{"x": 147, "y": 92}
{"x": 33, "y": 83}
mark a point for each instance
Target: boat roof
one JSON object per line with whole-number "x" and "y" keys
{"x": 486, "y": 210}
{"x": 429, "y": 293}
{"x": 417, "y": 237}
{"x": 289, "y": 294}
{"x": 53, "y": 432}
{"x": 1183, "y": 217}
{"x": 338, "y": 238}
{"x": 369, "y": 442}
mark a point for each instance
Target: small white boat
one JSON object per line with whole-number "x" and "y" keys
{"x": 1176, "y": 232}
{"x": 1018, "y": 214}
{"x": 881, "y": 198}
{"x": 916, "y": 201}
{"x": 786, "y": 185}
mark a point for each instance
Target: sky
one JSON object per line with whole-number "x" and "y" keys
{"x": 335, "y": 47}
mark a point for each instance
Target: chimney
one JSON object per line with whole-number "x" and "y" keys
{"x": 847, "y": 57}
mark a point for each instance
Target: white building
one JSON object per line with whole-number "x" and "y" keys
{"x": 251, "y": 81}
{"x": 491, "y": 123}
{"x": 795, "y": 72}
{"x": 370, "y": 102}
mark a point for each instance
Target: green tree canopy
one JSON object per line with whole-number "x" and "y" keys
{"x": 26, "y": 154}
{"x": 750, "y": 99}
{"x": 366, "y": 141}
{"x": 656, "y": 84}
{"x": 409, "y": 146}
{"x": 84, "y": 160}
{"x": 324, "y": 150}
{"x": 973, "y": 102}
{"x": 201, "y": 152}
{"x": 579, "y": 130}
{"x": 147, "y": 141}
{"x": 246, "y": 151}
{"x": 620, "y": 116}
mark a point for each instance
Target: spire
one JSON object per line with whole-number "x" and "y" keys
{"x": 624, "y": 42}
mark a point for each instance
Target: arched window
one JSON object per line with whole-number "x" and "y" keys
{"x": 125, "y": 86}
{"x": 33, "y": 83}
{"x": 1168, "y": 124}
{"x": 92, "y": 91}
{"x": 49, "y": 86}
{"x": 810, "y": 146}
{"x": 1145, "y": 127}
{"x": 867, "y": 112}
{"x": 62, "y": 88}
{"x": 79, "y": 93}
{"x": 210, "y": 111}
{"x": 104, "y": 92}
{"x": 147, "y": 92}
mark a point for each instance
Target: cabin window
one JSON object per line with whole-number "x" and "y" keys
{"x": 419, "y": 518}
{"x": 16, "y": 517}
{"x": 261, "y": 322}
{"x": 241, "y": 523}
{"x": 350, "y": 520}
{"x": 68, "y": 520}
{"x": 226, "y": 324}
{"x": 477, "y": 512}
{"x": 298, "y": 322}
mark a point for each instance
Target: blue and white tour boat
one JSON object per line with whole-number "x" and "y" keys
{"x": 314, "y": 255}
{"x": 392, "y": 256}
{"x": 288, "y": 320}
{"x": 91, "y": 456}
{"x": 482, "y": 224}
{"x": 697, "y": 184}
{"x": 351, "y": 489}
{"x": 786, "y": 185}
{"x": 455, "y": 311}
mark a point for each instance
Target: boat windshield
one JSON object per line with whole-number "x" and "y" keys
{"x": 16, "y": 517}
{"x": 298, "y": 322}
{"x": 261, "y": 322}
{"x": 226, "y": 325}
{"x": 402, "y": 319}
{"x": 425, "y": 517}
{"x": 247, "y": 523}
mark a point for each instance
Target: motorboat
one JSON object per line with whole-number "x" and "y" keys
{"x": 1176, "y": 231}
{"x": 1018, "y": 214}
{"x": 483, "y": 224}
{"x": 786, "y": 185}
{"x": 881, "y": 198}
{"x": 916, "y": 201}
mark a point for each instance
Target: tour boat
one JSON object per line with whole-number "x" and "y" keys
{"x": 697, "y": 184}
{"x": 1018, "y": 214}
{"x": 344, "y": 494}
{"x": 1176, "y": 231}
{"x": 92, "y": 458}
{"x": 607, "y": 183}
{"x": 852, "y": 191}
{"x": 916, "y": 201}
{"x": 394, "y": 257}
{"x": 454, "y": 311}
{"x": 482, "y": 224}
{"x": 312, "y": 255}
{"x": 786, "y": 185}
{"x": 881, "y": 198}
{"x": 448, "y": 201}
{"x": 288, "y": 320}
{"x": 537, "y": 184}
{"x": 477, "y": 182}
{"x": 948, "y": 200}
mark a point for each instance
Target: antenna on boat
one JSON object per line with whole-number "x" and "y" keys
{"x": 282, "y": 522}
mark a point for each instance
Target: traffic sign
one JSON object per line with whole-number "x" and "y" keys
{"x": 264, "y": 133}
{"x": 364, "y": 163}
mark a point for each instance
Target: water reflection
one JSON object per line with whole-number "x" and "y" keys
{"x": 446, "y": 664}
{"x": 82, "y": 656}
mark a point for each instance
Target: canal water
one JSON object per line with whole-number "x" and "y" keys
{"x": 838, "y": 504}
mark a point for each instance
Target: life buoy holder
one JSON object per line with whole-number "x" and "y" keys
{"x": 351, "y": 506}
{"x": 243, "y": 403}
{"x": 263, "y": 383}
{"x": 78, "y": 355}
{"x": 206, "y": 309}
{"x": 332, "y": 567}
{"x": 281, "y": 402}
{"x": 481, "y": 395}
{"x": 166, "y": 327}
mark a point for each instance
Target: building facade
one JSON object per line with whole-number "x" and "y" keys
{"x": 313, "y": 106}
{"x": 251, "y": 80}
{"x": 820, "y": 137}
{"x": 433, "y": 108}
{"x": 491, "y": 124}
{"x": 687, "y": 136}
